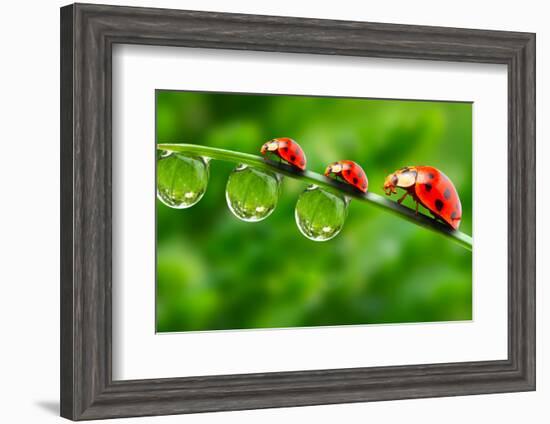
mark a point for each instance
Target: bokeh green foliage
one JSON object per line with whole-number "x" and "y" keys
{"x": 217, "y": 272}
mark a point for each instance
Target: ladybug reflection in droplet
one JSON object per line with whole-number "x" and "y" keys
{"x": 429, "y": 187}
{"x": 350, "y": 173}
{"x": 286, "y": 149}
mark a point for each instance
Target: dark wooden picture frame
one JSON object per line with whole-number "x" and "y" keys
{"x": 88, "y": 33}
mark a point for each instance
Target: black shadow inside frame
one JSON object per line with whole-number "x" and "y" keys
{"x": 88, "y": 33}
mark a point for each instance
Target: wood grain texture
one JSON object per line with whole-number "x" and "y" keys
{"x": 66, "y": 214}
{"x": 88, "y": 33}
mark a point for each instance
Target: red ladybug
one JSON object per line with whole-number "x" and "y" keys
{"x": 431, "y": 188}
{"x": 286, "y": 149}
{"x": 350, "y": 173}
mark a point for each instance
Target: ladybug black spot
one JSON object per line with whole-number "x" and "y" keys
{"x": 292, "y": 158}
{"x": 439, "y": 204}
{"x": 432, "y": 176}
{"x": 447, "y": 193}
{"x": 355, "y": 180}
{"x": 454, "y": 215}
{"x": 428, "y": 187}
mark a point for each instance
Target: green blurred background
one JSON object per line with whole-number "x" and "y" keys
{"x": 216, "y": 272}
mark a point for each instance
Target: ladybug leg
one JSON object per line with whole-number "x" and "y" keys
{"x": 277, "y": 159}
{"x": 403, "y": 197}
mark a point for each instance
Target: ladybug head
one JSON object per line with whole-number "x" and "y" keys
{"x": 269, "y": 146}
{"x": 390, "y": 184}
{"x": 403, "y": 178}
{"x": 335, "y": 168}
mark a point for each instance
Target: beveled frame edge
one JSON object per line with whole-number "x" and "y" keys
{"x": 88, "y": 33}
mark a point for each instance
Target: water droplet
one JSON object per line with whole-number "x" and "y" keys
{"x": 164, "y": 153}
{"x": 320, "y": 215}
{"x": 181, "y": 180}
{"x": 252, "y": 194}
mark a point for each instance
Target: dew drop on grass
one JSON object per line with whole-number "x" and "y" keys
{"x": 252, "y": 194}
{"x": 181, "y": 180}
{"x": 320, "y": 215}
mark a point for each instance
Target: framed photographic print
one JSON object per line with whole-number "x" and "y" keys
{"x": 264, "y": 212}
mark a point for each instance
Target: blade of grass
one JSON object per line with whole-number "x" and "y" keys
{"x": 329, "y": 184}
